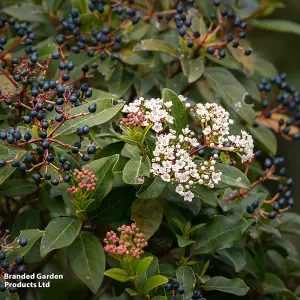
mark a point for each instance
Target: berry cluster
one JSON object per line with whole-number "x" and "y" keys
{"x": 16, "y": 267}
{"x": 223, "y": 21}
{"x": 279, "y": 106}
{"x": 174, "y": 286}
{"x": 282, "y": 200}
{"x": 104, "y": 42}
{"x": 84, "y": 182}
{"x": 23, "y": 34}
{"x": 128, "y": 245}
{"x": 46, "y": 104}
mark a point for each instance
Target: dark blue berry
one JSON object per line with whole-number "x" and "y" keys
{"x": 85, "y": 157}
{"x": 55, "y": 182}
{"x": 85, "y": 129}
{"x": 55, "y": 55}
{"x": 92, "y": 108}
{"x": 36, "y": 177}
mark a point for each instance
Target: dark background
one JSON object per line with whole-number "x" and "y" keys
{"x": 283, "y": 50}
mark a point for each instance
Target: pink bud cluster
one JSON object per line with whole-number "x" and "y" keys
{"x": 131, "y": 241}
{"x": 86, "y": 181}
{"x": 133, "y": 119}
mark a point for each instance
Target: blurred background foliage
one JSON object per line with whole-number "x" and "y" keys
{"x": 283, "y": 50}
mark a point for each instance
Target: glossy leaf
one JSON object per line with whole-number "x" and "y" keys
{"x": 220, "y": 233}
{"x": 233, "y": 177}
{"x": 234, "y": 286}
{"x": 265, "y": 137}
{"x": 277, "y": 25}
{"x": 236, "y": 256}
{"x": 152, "y": 188}
{"x": 148, "y": 215}
{"x": 87, "y": 260}
{"x": 154, "y": 282}
{"x": 192, "y": 68}
{"x": 232, "y": 92}
{"x": 59, "y": 233}
{"x": 155, "y": 45}
{"x": 177, "y": 110}
{"x": 135, "y": 170}
{"x": 32, "y": 235}
{"x": 117, "y": 274}
{"x": 17, "y": 187}
{"x": 105, "y": 181}
{"x": 105, "y": 112}
{"x": 28, "y": 219}
{"x": 143, "y": 265}
{"x": 187, "y": 279}
{"x": 206, "y": 195}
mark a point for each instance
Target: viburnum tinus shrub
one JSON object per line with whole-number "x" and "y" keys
{"x": 138, "y": 151}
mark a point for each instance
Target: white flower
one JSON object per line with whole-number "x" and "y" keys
{"x": 179, "y": 189}
{"x": 207, "y": 131}
{"x": 157, "y": 127}
{"x": 168, "y": 104}
{"x": 165, "y": 177}
{"x": 189, "y": 196}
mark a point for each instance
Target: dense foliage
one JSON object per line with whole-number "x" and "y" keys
{"x": 138, "y": 149}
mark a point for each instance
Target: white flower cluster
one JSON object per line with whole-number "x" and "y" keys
{"x": 215, "y": 123}
{"x": 173, "y": 163}
{"x": 155, "y": 111}
{"x": 243, "y": 144}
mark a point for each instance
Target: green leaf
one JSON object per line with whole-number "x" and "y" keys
{"x": 153, "y": 282}
{"x": 143, "y": 265}
{"x": 59, "y": 233}
{"x": 195, "y": 227}
{"x": 32, "y": 235}
{"x": 131, "y": 292}
{"x": 276, "y": 25}
{"x": 167, "y": 270}
{"x": 120, "y": 81}
{"x": 274, "y": 285}
{"x": 105, "y": 179}
{"x": 206, "y": 195}
{"x": 177, "y": 110}
{"x": 233, "y": 177}
{"x": 117, "y": 274}
{"x": 179, "y": 224}
{"x": 192, "y": 68}
{"x": 105, "y": 112}
{"x": 135, "y": 169}
{"x": 231, "y": 90}
{"x": 182, "y": 242}
{"x": 220, "y": 233}
{"x": 187, "y": 279}
{"x": 28, "y": 219}
{"x": 236, "y": 256}
{"x": 265, "y": 137}
{"x": 114, "y": 206}
{"x": 155, "y": 45}
{"x": 147, "y": 215}
{"x": 54, "y": 204}
{"x": 16, "y": 188}
{"x": 151, "y": 188}
{"x": 131, "y": 58}
{"x": 8, "y": 153}
{"x": 6, "y": 85}
{"x": 87, "y": 260}
{"x": 234, "y": 286}
{"x": 264, "y": 68}
{"x": 27, "y": 12}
